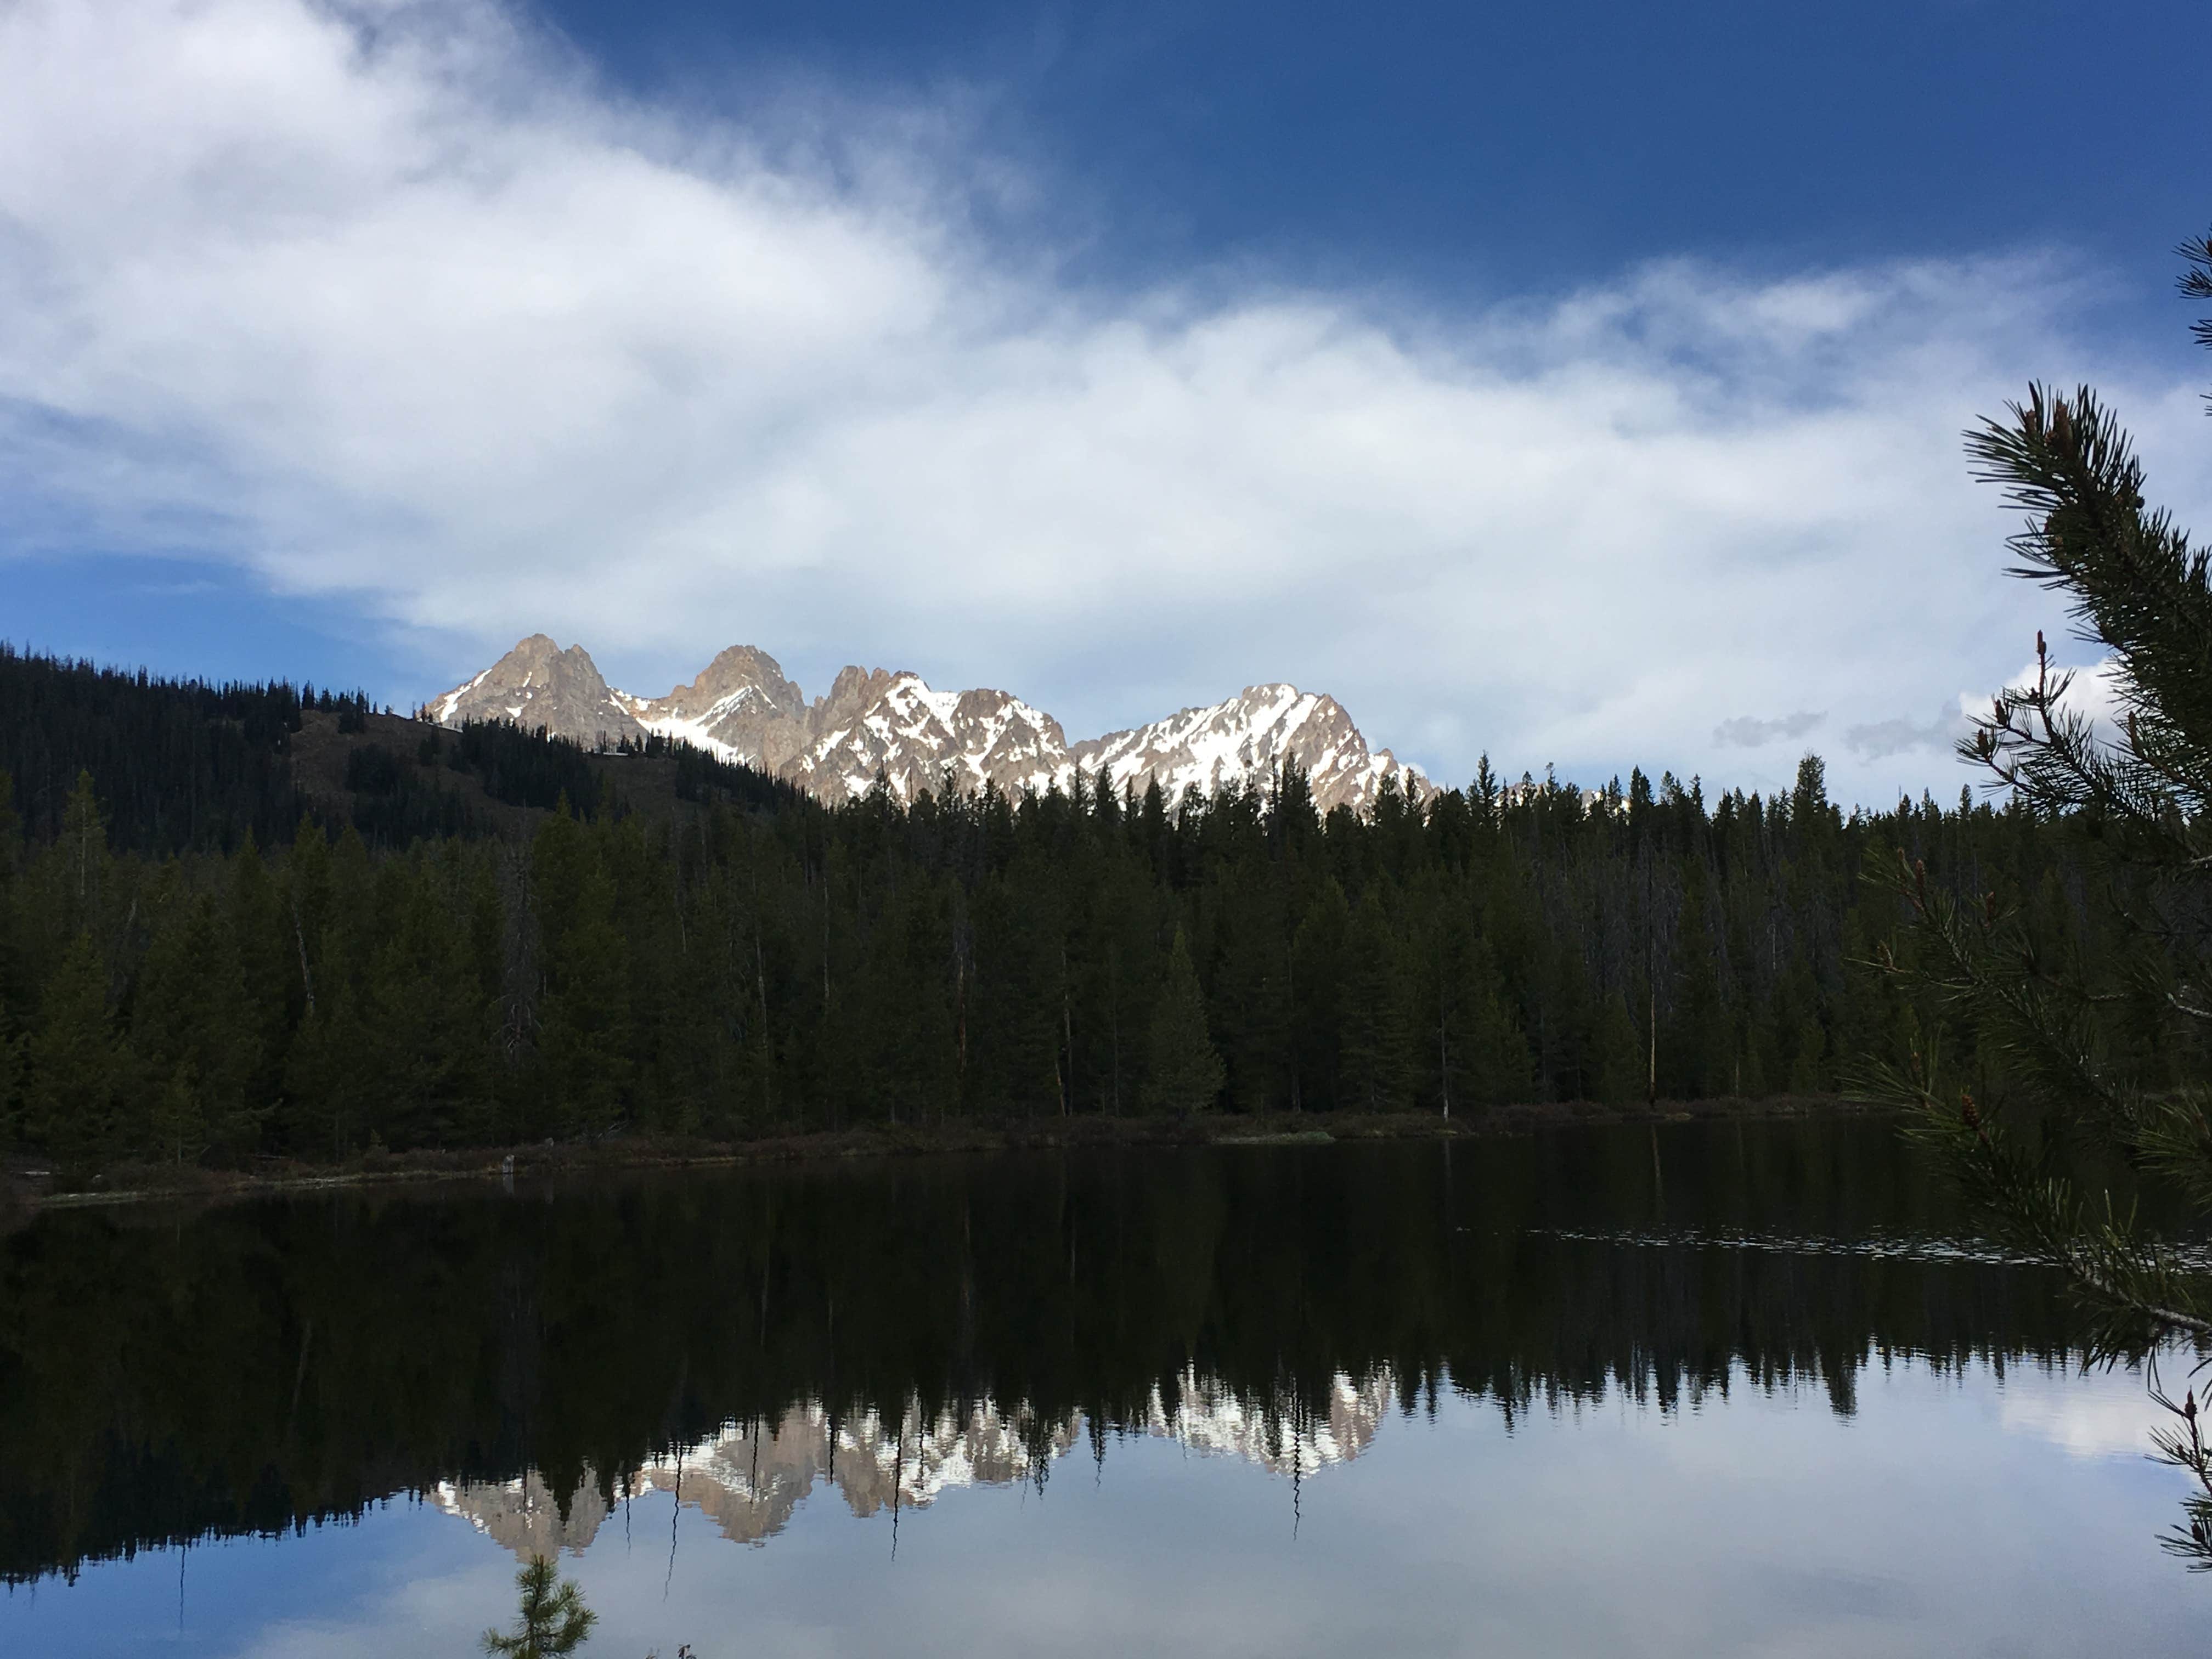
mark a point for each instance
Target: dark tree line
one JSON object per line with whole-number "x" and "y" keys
{"x": 185, "y": 767}
{"x": 740, "y": 960}
{"x": 181, "y": 764}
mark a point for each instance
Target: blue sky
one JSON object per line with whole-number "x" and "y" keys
{"x": 1580, "y": 383}
{"x": 1516, "y": 147}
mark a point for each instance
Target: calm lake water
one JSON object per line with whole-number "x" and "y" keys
{"x": 1714, "y": 1390}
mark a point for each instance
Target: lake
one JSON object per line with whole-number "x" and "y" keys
{"x": 1711, "y": 1390}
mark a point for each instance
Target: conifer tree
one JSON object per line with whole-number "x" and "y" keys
{"x": 552, "y": 1621}
{"x": 14, "y": 978}
{"x": 1566, "y": 1022}
{"x": 1800, "y": 1041}
{"x": 2067, "y": 1036}
{"x": 1183, "y": 1074}
{"x": 1373, "y": 1059}
{"x": 177, "y": 1121}
{"x": 83, "y": 850}
{"x": 1251, "y": 983}
{"x": 330, "y": 1077}
{"x": 1699, "y": 1063}
{"x": 193, "y": 1026}
{"x": 262, "y": 936}
{"x": 904, "y": 1025}
{"x": 1498, "y": 1067}
{"x": 1617, "y": 1053}
{"x": 1317, "y": 975}
{"x": 11, "y": 1088}
{"x": 306, "y": 910}
{"x": 1014, "y": 1024}
{"x": 2135, "y": 588}
{"x": 586, "y": 1059}
{"x": 424, "y": 995}
{"x": 1128, "y": 925}
{"x": 73, "y": 1061}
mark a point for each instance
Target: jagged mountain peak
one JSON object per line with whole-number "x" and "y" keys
{"x": 1247, "y": 738}
{"x": 856, "y": 687}
{"x": 740, "y": 670}
{"x": 876, "y": 722}
{"x": 896, "y": 726}
{"x": 539, "y": 683}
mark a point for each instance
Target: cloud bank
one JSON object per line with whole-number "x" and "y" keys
{"x": 393, "y": 300}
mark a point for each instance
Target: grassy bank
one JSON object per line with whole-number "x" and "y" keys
{"x": 27, "y": 1187}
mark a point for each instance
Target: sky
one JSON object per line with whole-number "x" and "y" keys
{"x": 1579, "y": 384}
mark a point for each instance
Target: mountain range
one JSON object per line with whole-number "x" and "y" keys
{"x": 750, "y": 1477}
{"x": 874, "y": 722}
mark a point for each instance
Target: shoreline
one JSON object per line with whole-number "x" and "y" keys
{"x": 27, "y": 1190}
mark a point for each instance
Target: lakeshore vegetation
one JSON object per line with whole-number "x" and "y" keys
{"x": 262, "y": 920}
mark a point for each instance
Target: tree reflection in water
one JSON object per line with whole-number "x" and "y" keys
{"x": 897, "y": 1327}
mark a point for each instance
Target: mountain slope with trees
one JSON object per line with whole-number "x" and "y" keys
{"x": 492, "y": 936}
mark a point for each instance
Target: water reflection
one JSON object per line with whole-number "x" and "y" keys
{"x": 733, "y": 1342}
{"x": 749, "y": 1480}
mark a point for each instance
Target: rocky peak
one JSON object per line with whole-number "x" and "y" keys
{"x": 855, "y": 690}
{"x": 537, "y": 683}
{"x": 1246, "y": 739}
{"x": 741, "y": 673}
{"x": 741, "y": 707}
{"x": 875, "y": 722}
{"x": 897, "y": 726}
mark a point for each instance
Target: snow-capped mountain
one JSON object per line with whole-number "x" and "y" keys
{"x": 1247, "y": 738}
{"x": 750, "y": 1478}
{"x": 539, "y": 683}
{"x": 743, "y": 709}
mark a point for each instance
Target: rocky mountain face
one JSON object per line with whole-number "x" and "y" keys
{"x": 1247, "y": 738}
{"x": 750, "y": 1478}
{"x": 741, "y": 707}
{"x": 537, "y": 683}
{"x": 873, "y": 722}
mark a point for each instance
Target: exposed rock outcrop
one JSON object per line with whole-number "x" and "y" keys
{"x": 874, "y": 723}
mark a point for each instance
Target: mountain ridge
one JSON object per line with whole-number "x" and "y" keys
{"x": 893, "y": 723}
{"x": 749, "y": 1479}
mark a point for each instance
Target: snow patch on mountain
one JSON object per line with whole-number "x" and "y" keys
{"x": 750, "y": 1478}
{"x": 1246, "y": 739}
{"x": 874, "y": 723}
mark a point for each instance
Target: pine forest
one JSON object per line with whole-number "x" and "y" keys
{"x": 253, "y": 920}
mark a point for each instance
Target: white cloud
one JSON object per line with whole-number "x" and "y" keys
{"x": 391, "y": 299}
{"x": 2094, "y": 690}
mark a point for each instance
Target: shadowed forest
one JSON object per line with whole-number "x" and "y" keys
{"x": 260, "y": 920}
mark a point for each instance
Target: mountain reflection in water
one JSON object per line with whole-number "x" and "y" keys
{"x": 749, "y": 1481}
{"x": 741, "y": 1337}
{"x": 901, "y": 1326}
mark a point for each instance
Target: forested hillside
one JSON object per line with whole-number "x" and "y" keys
{"x": 441, "y": 949}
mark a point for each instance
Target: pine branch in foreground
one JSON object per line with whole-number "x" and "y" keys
{"x": 2134, "y": 586}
